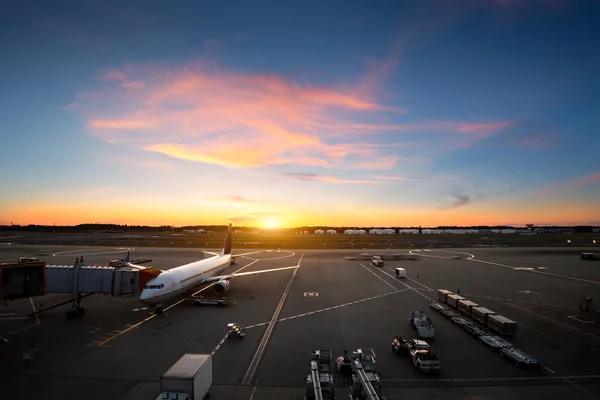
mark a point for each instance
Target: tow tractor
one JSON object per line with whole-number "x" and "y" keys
{"x": 202, "y": 301}
{"x": 235, "y": 329}
{"x": 425, "y": 361}
{"x": 399, "y": 345}
{"x": 320, "y": 384}
{"x": 366, "y": 384}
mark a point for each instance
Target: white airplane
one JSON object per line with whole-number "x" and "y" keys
{"x": 183, "y": 280}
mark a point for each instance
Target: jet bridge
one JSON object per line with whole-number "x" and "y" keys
{"x": 80, "y": 281}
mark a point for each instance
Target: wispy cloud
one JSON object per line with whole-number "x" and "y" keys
{"x": 460, "y": 200}
{"x": 397, "y": 178}
{"x": 205, "y": 113}
{"x": 268, "y": 214}
{"x": 570, "y": 184}
{"x": 322, "y": 178}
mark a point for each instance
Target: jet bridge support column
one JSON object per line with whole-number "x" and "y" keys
{"x": 76, "y": 309}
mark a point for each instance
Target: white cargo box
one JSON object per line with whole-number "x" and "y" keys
{"x": 192, "y": 374}
{"x": 400, "y": 273}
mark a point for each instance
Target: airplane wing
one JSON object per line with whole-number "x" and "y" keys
{"x": 136, "y": 266}
{"x": 211, "y": 253}
{"x": 235, "y": 275}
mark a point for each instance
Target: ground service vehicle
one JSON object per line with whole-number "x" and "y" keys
{"x": 377, "y": 261}
{"x": 495, "y": 342}
{"x": 465, "y": 306}
{"x": 442, "y": 294}
{"x": 502, "y": 325}
{"x": 191, "y": 375}
{"x": 519, "y": 357}
{"x": 423, "y": 325}
{"x": 320, "y": 383}
{"x": 425, "y": 361}
{"x": 235, "y": 329}
{"x": 481, "y": 314}
{"x": 400, "y": 273}
{"x": 400, "y": 345}
{"x": 453, "y": 299}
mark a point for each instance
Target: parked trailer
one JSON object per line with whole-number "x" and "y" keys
{"x": 192, "y": 375}
{"x": 465, "y": 306}
{"x": 442, "y": 293}
{"x": 502, "y": 325}
{"x": 481, "y": 314}
{"x": 453, "y": 299}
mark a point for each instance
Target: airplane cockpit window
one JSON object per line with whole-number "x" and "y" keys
{"x": 162, "y": 285}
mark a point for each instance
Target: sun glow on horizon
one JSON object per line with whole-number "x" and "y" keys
{"x": 271, "y": 224}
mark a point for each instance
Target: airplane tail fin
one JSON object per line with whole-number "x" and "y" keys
{"x": 227, "y": 246}
{"x": 127, "y": 258}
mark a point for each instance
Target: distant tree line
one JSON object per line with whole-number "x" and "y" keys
{"x": 116, "y": 228}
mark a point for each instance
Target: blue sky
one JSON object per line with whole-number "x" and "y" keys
{"x": 342, "y": 113}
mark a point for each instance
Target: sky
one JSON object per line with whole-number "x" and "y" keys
{"x": 264, "y": 113}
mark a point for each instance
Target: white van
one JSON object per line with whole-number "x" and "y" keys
{"x": 400, "y": 273}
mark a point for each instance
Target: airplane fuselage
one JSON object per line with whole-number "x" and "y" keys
{"x": 182, "y": 280}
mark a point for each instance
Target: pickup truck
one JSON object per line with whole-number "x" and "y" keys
{"x": 425, "y": 361}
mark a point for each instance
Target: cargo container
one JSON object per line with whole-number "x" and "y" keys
{"x": 453, "y": 299}
{"x": 192, "y": 375}
{"x": 481, "y": 314}
{"x": 465, "y": 306}
{"x": 502, "y": 325}
{"x": 442, "y": 293}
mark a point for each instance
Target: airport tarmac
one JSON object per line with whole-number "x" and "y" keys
{"x": 119, "y": 350}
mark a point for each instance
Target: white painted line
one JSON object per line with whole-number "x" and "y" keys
{"x": 252, "y": 368}
{"x": 549, "y": 370}
{"x": 7, "y": 314}
{"x": 380, "y": 278}
{"x": 556, "y": 322}
{"x": 253, "y": 390}
{"x": 13, "y": 318}
{"x": 535, "y": 272}
{"x": 578, "y": 320}
{"x": 580, "y": 388}
{"x": 330, "y": 308}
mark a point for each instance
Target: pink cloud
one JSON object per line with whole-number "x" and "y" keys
{"x": 323, "y": 178}
{"x": 206, "y": 114}
{"x": 570, "y": 184}
{"x": 397, "y": 178}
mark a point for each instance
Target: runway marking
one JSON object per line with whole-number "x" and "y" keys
{"x": 441, "y": 251}
{"x": 579, "y": 387}
{"x": 212, "y": 353}
{"x": 37, "y": 317}
{"x": 121, "y": 333}
{"x": 330, "y": 308}
{"x": 549, "y": 370}
{"x": 578, "y": 320}
{"x": 380, "y": 278}
{"x": 251, "y": 371}
{"x": 534, "y": 272}
{"x": 402, "y": 283}
{"x": 554, "y": 321}
{"x": 522, "y": 301}
{"x": 253, "y": 390}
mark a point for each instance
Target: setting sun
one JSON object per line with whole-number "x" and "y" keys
{"x": 270, "y": 223}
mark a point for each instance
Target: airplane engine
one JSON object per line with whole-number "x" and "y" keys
{"x": 221, "y": 287}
